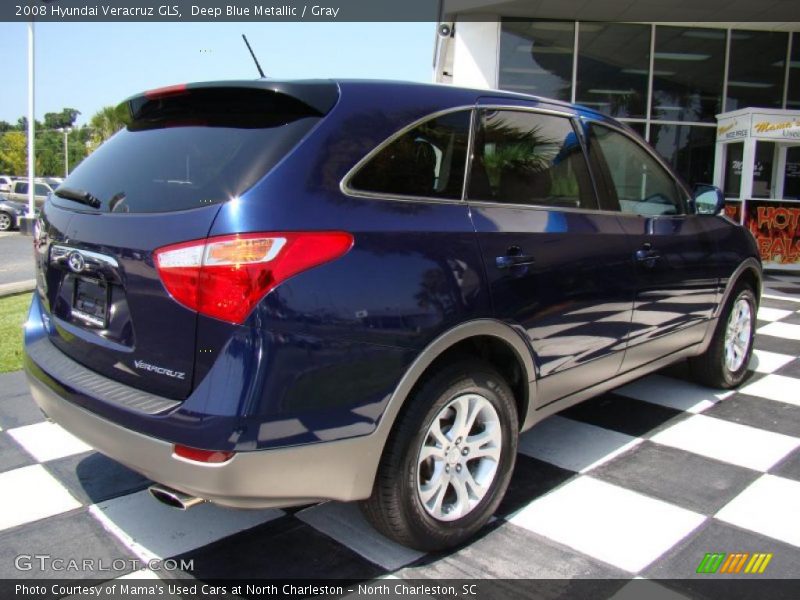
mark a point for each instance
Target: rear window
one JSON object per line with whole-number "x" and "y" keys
{"x": 192, "y": 148}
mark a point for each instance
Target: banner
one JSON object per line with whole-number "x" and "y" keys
{"x": 776, "y": 227}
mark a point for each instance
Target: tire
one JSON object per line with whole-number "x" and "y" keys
{"x": 6, "y": 222}
{"x": 724, "y": 364}
{"x": 448, "y": 518}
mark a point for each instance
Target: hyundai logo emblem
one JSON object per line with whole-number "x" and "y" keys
{"x": 76, "y": 262}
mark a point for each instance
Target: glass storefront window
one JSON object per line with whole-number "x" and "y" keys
{"x": 757, "y": 68}
{"x": 762, "y": 170}
{"x": 732, "y": 177}
{"x": 688, "y": 149}
{"x": 791, "y": 180}
{"x": 688, "y": 73}
{"x": 793, "y": 93}
{"x": 613, "y": 66}
{"x": 639, "y": 128}
{"x": 536, "y": 58}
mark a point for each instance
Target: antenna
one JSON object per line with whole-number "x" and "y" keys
{"x": 255, "y": 60}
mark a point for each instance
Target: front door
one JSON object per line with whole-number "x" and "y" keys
{"x": 672, "y": 251}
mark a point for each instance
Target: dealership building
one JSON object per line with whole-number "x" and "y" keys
{"x": 668, "y": 81}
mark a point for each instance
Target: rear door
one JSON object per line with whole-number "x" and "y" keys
{"x": 673, "y": 252}
{"x": 557, "y": 267}
{"x": 159, "y": 181}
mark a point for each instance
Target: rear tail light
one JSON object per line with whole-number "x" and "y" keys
{"x": 204, "y": 456}
{"x": 225, "y": 277}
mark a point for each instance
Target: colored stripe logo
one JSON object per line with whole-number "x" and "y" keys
{"x": 734, "y": 562}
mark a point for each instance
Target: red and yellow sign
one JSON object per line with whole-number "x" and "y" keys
{"x": 776, "y": 227}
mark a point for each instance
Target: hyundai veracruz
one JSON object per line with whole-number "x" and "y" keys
{"x": 265, "y": 293}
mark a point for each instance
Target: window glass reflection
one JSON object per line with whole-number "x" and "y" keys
{"x": 536, "y": 58}
{"x": 688, "y": 149}
{"x": 756, "y": 72}
{"x": 613, "y": 66}
{"x": 688, "y": 73}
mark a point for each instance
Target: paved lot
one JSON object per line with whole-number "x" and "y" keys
{"x": 16, "y": 257}
{"x": 640, "y": 482}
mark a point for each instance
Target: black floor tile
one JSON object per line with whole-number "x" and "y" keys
{"x": 626, "y": 415}
{"x": 17, "y": 411}
{"x": 793, "y": 319}
{"x": 511, "y": 552}
{"x": 12, "y": 455}
{"x": 75, "y": 535}
{"x": 92, "y": 477}
{"x": 688, "y": 480}
{"x": 789, "y": 467}
{"x": 285, "y": 548}
{"x": 771, "y": 415}
{"x": 791, "y": 369}
{"x": 680, "y": 564}
{"x": 781, "y": 304}
{"x": 780, "y": 345}
{"x": 532, "y": 478}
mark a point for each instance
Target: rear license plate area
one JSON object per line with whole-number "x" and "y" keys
{"x": 90, "y": 302}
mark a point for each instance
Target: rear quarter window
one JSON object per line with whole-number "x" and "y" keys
{"x": 427, "y": 161}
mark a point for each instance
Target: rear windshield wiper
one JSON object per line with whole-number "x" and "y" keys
{"x": 78, "y": 196}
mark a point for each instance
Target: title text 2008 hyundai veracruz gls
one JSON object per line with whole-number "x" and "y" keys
{"x": 272, "y": 293}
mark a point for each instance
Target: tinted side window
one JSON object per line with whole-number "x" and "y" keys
{"x": 21, "y": 188}
{"x": 41, "y": 190}
{"x": 426, "y": 161}
{"x": 633, "y": 179}
{"x": 529, "y": 158}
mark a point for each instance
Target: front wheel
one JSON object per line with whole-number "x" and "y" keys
{"x": 724, "y": 363}
{"x": 5, "y": 222}
{"x": 448, "y": 461}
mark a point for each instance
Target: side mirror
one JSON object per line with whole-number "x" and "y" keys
{"x": 708, "y": 200}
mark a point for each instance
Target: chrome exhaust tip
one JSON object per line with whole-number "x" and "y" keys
{"x": 174, "y": 498}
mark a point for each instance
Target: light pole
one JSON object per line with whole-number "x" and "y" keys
{"x": 65, "y": 131}
{"x": 31, "y": 124}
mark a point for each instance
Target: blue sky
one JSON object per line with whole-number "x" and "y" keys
{"x": 90, "y": 65}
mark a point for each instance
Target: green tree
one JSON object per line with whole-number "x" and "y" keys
{"x": 65, "y": 118}
{"x": 13, "y": 153}
{"x": 106, "y": 122}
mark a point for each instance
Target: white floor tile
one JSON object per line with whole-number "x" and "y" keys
{"x": 344, "y": 523}
{"x": 673, "y": 393}
{"x": 775, "y": 387}
{"x": 768, "y": 506}
{"x": 48, "y": 441}
{"x": 782, "y": 330}
{"x": 152, "y": 530}
{"x": 615, "y": 525}
{"x": 573, "y": 445}
{"x": 772, "y": 314}
{"x": 31, "y": 493}
{"x": 729, "y": 442}
{"x": 768, "y": 362}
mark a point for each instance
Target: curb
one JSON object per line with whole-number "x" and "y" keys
{"x": 18, "y": 287}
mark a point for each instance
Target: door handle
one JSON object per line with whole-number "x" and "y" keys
{"x": 514, "y": 260}
{"x": 647, "y": 254}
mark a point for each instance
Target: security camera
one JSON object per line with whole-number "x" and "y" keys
{"x": 445, "y": 30}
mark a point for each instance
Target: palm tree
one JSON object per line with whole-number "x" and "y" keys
{"x": 106, "y": 122}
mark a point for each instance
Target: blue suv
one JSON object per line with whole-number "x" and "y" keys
{"x": 266, "y": 293}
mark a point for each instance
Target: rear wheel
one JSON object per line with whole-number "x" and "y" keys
{"x": 724, "y": 363}
{"x": 448, "y": 460}
{"x": 5, "y": 221}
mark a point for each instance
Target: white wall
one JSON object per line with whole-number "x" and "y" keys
{"x": 477, "y": 48}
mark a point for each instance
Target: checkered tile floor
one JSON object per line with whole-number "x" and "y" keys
{"x": 639, "y": 482}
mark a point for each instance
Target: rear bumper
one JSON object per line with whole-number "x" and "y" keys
{"x": 340, "y": 470}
